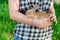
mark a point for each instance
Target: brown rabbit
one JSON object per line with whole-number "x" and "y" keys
{"x": 37, "y": 15}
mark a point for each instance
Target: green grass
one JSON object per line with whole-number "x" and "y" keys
{"x": 7, "y": 25}
{"x": 56, "y": 28}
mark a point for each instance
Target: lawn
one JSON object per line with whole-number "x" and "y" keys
{"x": 7, "y": 25}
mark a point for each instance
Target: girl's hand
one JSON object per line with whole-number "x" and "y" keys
{"x": 41, "y": 23}
{"x": 52, "y": 14}
{"x": 53, "y": 17}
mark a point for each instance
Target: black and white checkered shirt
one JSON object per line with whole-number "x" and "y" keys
{"x": 28, "y": 32}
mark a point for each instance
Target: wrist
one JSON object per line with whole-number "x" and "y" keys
{"x": 35, "y": 22}
{"x": 32, "y": 22}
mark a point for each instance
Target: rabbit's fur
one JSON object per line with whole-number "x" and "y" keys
{"x": 37, "y": 15}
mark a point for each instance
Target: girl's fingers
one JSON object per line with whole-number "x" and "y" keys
{"x": 50, "y": 16}
{"x": 53, "y": 18}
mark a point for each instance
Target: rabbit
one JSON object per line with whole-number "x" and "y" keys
{"x": 37, "y": 15}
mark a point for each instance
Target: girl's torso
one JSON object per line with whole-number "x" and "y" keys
{"x": 28, "y": 32}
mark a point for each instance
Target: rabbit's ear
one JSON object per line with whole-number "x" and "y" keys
{"x": 35, "y": 7}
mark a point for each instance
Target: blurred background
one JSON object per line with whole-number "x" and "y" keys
{"x": 7, "y": 25}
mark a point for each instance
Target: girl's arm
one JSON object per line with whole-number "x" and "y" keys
{"x": 52, "y": 15}
{"x": 16, "y": 15}
{"x": 52, "y": 7}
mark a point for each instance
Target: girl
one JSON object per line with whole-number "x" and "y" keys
{"x": 24, "y": 29}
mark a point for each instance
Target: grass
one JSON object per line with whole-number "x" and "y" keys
{"x": 56, "y": 28}
{"x": 7, "y": 25}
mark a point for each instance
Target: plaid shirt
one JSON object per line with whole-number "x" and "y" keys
{"x": 28, "y": 32}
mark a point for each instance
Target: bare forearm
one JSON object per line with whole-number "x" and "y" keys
{"x": 19, "y": 17}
